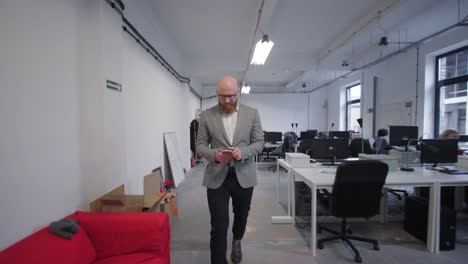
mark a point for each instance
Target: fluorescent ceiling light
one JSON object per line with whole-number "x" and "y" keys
{"x": 262, "y": 49}
{"x": 245, "y": 89}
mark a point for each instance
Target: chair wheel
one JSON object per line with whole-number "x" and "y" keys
{"x": 320, "y": 246}
{"x": 376, "y": 247}
{"x": 358, "y": 259}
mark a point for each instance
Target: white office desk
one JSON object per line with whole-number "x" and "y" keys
{"x": 290, "y": 217}
{"x": 317, "y": 177}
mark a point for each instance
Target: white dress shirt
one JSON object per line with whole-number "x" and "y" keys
{"x": 230, "y": 123}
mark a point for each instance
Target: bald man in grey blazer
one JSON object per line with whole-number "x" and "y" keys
{"x": 229, "y": 136}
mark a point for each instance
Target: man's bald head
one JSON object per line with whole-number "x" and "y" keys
{"x": 228, "y": 92}
{"x": 227, "y": 85}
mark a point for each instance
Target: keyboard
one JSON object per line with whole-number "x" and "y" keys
{"x": 454, "y": 172}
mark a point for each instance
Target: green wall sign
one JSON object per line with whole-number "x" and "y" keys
{"x": 114, "y": 85}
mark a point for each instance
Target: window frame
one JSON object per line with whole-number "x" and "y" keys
{"x": 439, "y": 84}
{"x": 350, "y": 102}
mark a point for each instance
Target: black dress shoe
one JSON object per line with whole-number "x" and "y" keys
{"x": 236, "y": 253}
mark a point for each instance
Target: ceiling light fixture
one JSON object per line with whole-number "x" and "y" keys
{"x": 262, "y": 49}
{"x": 245, "y": 89}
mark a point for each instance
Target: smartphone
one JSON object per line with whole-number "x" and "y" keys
{"x": 226, "y": 151}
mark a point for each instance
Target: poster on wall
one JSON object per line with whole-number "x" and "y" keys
{"x": 174, "y": 170}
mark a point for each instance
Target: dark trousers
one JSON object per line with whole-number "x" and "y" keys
{"x": 218, "y": 203}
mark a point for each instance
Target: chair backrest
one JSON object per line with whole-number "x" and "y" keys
{"x": 304, "y": 145}
{"x": 357, "y": 188}
{"x": 355, "y": 147}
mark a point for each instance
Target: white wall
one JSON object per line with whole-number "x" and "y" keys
{"x": 39, "y": 155}
{"x": 66, "y": 139}
{"x": 277, "y": 111}
{"x": 398, "y": 82}
{"x": 155, "y": 103}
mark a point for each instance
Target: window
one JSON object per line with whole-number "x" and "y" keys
{"x": 353, "y": 107}
{"x": 451, "y": 91}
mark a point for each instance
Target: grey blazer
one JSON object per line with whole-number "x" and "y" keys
{"x": 248, "y": 137}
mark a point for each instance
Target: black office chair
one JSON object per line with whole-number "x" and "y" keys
{"x": 355, "y": 147}
{"x": 305, "y": 145}
{"x": 279, "y": 154}
{"x": 356, "y": 193}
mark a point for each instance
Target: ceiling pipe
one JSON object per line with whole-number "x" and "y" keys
{"x": 463, "y": 23}
{"x": 354, "y": 31}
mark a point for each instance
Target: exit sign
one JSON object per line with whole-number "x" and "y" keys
{"x": 114, "y": 85}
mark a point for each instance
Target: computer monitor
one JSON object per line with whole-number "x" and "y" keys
{"x": 273, "y": 137}
{"x": 400, "y": 135}
{"x": 463, "y": 138}
{"x": 338, "y": 134}
{"x": 330, "y": 149}
{"x": 439, "y": 151}
{"x": 309, "y": 134}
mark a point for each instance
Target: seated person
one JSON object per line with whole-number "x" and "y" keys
{"x": 381, "y": 145}
{"x": 450, "y": 134}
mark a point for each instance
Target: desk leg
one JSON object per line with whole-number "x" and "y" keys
{"x": 283, "y": 219}
{"x": 433, "y": 220}
{"x": 313, "y": 220}
{"x": 292, "y": 196}
{"x": 277, "y": 181}
{"x": 384, "y": 206}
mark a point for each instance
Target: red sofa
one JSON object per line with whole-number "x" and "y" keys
{"x": 104, "y": 238}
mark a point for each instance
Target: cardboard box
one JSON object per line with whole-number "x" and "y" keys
{"x": 166, "y": 203}
{"x": 117, "y": 201}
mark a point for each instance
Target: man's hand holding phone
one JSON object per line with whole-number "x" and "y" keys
{"x": 223, "y": 155}
{"x": 236, "y": 153}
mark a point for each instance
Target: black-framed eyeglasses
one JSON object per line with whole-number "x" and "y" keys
{"x": 227, "y": 96}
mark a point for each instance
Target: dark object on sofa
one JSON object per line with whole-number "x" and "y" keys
{"x": 64, "y": 228}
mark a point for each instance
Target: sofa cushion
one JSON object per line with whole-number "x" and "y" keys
{"x": 45, "y": 247}
{"x": 140, "y": 258}
{"x": 120, "y": 233}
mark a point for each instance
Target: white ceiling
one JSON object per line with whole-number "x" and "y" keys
{"x": 312, "y": 37}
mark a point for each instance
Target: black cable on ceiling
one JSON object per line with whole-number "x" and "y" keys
{"x": 135, "y": 34}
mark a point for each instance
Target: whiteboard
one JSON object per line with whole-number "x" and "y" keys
{"x": 176, "y": 171}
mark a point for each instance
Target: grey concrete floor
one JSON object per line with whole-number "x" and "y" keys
{"x": 265, "y": 242}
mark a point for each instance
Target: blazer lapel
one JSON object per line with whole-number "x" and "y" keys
{"x": 219, "y": 122}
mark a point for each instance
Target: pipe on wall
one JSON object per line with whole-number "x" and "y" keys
{"x": 128, "y": 27}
